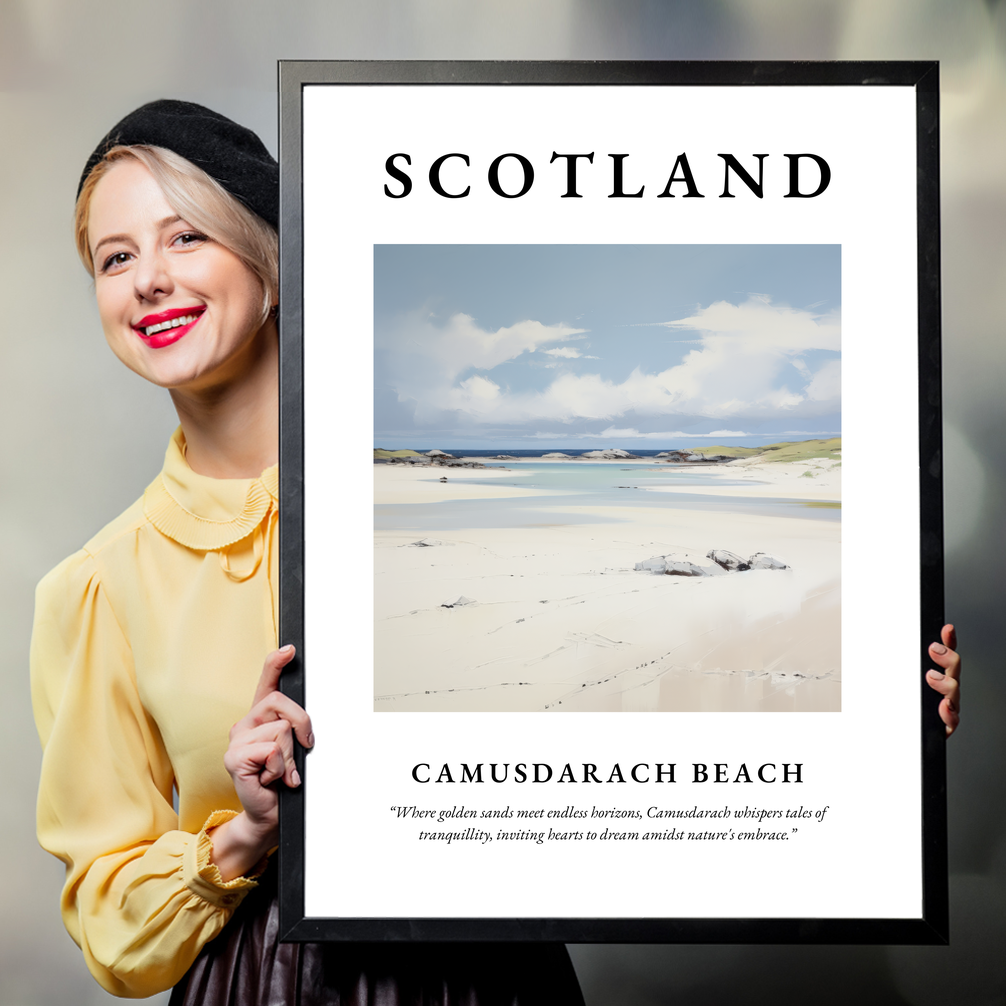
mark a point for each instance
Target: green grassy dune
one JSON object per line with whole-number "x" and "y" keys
{"x": 797, "y": 450}
{"x": 380, "y": 452}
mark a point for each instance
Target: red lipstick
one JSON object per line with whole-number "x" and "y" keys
{"x": 166, "y": 327}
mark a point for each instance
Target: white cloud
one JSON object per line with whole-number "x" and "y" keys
{"x": 811, "y": 433}
{"x": 630, "y": 433}
{"x": 759, "y": 324}
{"x": 826, "y": 384}
{"x": 633, "y": 434}
{"x": 611, "y": 431}
{"x": 749, "y": 363}
{"x": 742, "y": 368}
{"x": 461, "y": 344}
{"x": 477, "y": 395}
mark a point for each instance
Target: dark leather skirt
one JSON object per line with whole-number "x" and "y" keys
{"x": 246, "y": 965}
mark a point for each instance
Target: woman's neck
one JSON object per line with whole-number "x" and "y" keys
{"x": 231, "y": 426}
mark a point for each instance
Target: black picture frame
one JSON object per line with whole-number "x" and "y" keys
{"x": 931, "y": 927}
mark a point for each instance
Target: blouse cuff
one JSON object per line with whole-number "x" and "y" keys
{"x": 202, "y": 876}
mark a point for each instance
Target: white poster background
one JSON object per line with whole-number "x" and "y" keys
{"x": 862, "y": 764}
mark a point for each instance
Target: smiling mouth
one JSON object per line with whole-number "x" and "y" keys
{"x": 166, "y": 322}
{"x": 167, "y": 327}
{"x": 185, "y": 319}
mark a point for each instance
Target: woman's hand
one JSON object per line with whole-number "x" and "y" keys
{"x": 947, "y": 682}
{"x": 260, "y": 754}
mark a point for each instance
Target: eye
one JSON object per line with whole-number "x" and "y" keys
{"x": 115, "y": 261}
{"x": 189, "y": 239}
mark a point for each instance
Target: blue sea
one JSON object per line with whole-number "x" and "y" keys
{"x": 537, "y": 452}
{"x": 585, "y": 484}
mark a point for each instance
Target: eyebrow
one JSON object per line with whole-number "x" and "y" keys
{"x": 111, "y": 238}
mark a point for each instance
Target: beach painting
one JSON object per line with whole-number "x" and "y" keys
{"x": 607, "y": 478}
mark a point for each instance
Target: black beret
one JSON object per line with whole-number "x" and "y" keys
{"x": 230, "y": 154}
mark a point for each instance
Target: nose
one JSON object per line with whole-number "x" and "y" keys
{"x": 152, "y": 277}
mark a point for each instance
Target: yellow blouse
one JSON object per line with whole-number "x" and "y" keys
{"x": 147, "y": 647}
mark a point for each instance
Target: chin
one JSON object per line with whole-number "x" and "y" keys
{"x": 169, "y": 374}
{"x": 191, "y": 364}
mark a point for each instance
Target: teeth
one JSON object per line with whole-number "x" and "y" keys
{"x": 174, "y": 323}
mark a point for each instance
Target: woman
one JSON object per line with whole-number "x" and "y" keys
{"x": 148, "y": 643}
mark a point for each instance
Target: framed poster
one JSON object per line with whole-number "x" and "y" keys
{"x": 604, "y": 634}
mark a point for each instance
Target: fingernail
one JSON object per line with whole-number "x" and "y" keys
{"x": 295, "y": 777}
{"x": 287, "y": 649}
{"x": 310, "y": 740}
{"x": 938, "y": 648}
{"x": 937, "y": 675}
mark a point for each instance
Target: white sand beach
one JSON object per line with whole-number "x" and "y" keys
{"x": 559, "y": 620}
{"x": 816, "y": 479}
{"x": 396, "y": 484}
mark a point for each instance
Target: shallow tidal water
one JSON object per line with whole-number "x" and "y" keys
{"x": 583, "y": 485}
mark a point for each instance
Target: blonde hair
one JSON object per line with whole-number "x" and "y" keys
{"x": 199, "y": 200}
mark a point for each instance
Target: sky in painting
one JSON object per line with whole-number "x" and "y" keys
{"x": 596, "y": 346}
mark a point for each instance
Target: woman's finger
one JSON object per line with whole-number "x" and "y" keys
{"x": 261, "y": 760}
{"x": 949, "y": 660}
{"x": 949, "y": 688}
{"x": 947, "y": 681}
{"x": 278, "y": 732}
{"x": 273, "y": 766}
{"x": 949, "y": 636}
{"x": 949, "y": 712}
{"x": 277, "y": 706}
{"x": 945, "y": 685}
{"x": 950, "y": 716}
{"x": 271, "y": 671}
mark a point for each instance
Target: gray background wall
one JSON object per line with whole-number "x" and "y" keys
{"x": 82, "y": 437}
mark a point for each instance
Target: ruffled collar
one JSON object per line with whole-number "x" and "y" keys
{"x": 203, "y": 513}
